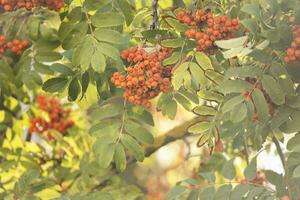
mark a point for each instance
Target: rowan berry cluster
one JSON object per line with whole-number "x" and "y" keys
{"x": 248, "y": 97}
{"x": 11, "y": 5}
{"x": 293, "y": 53}
{"x": 146, "y": 78}
{"x": 16, "y": 46}
{"x": 207, "y": 28}
{"x": 58, "y": 117}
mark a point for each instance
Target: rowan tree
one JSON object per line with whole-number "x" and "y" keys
{"x": 81, "y": 81}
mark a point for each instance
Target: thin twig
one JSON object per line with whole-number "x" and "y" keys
{"x": 246, "y": 150}
{"x": 284, "y": 164}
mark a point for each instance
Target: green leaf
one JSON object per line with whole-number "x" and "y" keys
{"x": 140, "y": 133}
{"x": 263, "y": 45}
{"x": 214, "y": 76}
{"x": 98, "y": 61}
{"x": 194, "y": 195}
{"x": 293, "y": 142}
{"x": 48, "y": 56}
{"x": 61, "y": 68}
{"x": 85, "y": 80}
{"x": 228, "y": 170}
{"x": 243, "y": 72}
{"x": 176, "y": 192}
{"x": 273, "y": 89}
{"x": 280, "y": 117}
{"x": 238, "y": 113}
{"x": 105, "y": 126}
{"x": 173, "y": 43}
{"x": 190, "y": 95}
{"x": 250, "y": 24}
{"x": 74, "y": 89}
{"x": 199, "y": 127}
{"x": 75, "y": 15}
{"x": 33, "y": 27}
{"x": 296, "y": 173}
{"x": 251, "y": 9}
{"x": 223, "y": 192}
{"x": 260, "y": 104}
{"x": 203, "y": 60}
{"x": 171, "y": 109}
{"x": 183, "y": 67}
{"x": 127, "y": 11}
{"x": 210, "y": 95}
{"x": 183, "y": 101}
{"x": 176, "y": 25}
{"x": 84, "y": 52}
{"x": 208, "y": 193}
{"x": 94, "y": 4}
{"x": 107, "y": 111}
{"x": 210, "y": 176}
{"x": 172, "y": 59}
{"x": 234, "y": 86}
{"x": 178, "y": 78}
{"x": 106, "y": 153}
{"x": 204, "y": 110}
{"x": 73, "y": 34}
{"x": 55, "y": 84}
{"x": 294, "y": 102}
{"x": 108, "y": 35}
{"x": 107, "y": 19}
{"x": 250, "y": 170}
{"x": 140, "y": 114}
{"x": 43, "y": 69}
{"x": 255, "y": 192}
{"x": 120, "y": 158}
{"x": 239, "y": 191}
{"x": 198, "y": 75}
{"x": 108, "y": 50}
{"x": 231, "y": 103}
{"x": 292, "y": 125}
{"x": 232, "y": 43}
{"x": 274, "y": 178}
{"x": 272, "y": 34}
{"x": 234, "y": 52}
{"x": 154, "y": 33}
{"x": 133, "y": 146}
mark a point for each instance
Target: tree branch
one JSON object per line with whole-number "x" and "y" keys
{"x": 176, "y": 133}
{"x": 154, "y": 24}
{"x": 280, "y": 153}
{"x": 284, "y": 164}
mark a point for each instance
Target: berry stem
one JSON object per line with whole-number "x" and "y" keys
{"x": 123, "y": 121}
{"x": 88, "y": 18}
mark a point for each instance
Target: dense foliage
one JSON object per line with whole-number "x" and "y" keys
{"x": 80, "y": 79}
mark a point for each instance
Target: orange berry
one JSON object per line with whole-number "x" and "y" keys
{"x": 292, "y": 19}
{"x": 234, "y": 21}
{"x": 297, "y": 53}
{"x": 286, "y": 59}
{"x": 219, "y": 146}
{"x": 285, "y": 198}
{"x": 290, "y": 51}
{"x": 25, "y": 43}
